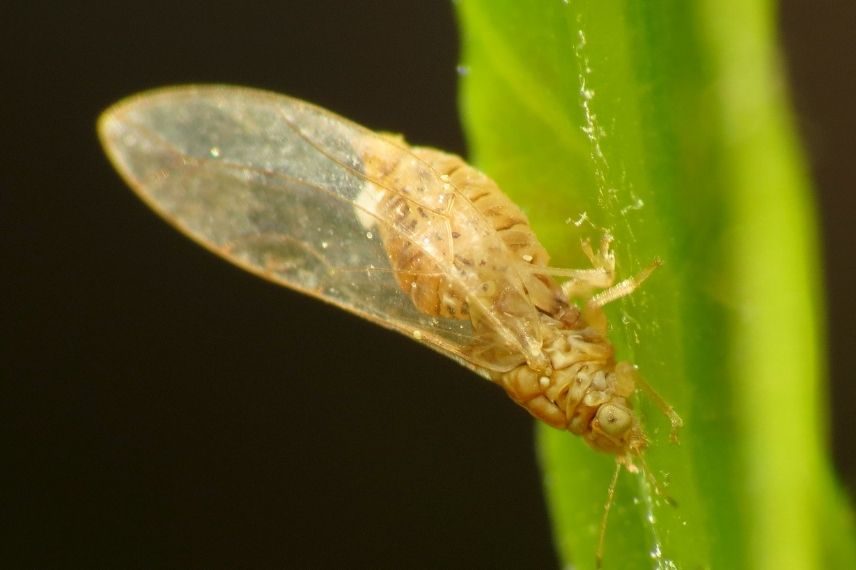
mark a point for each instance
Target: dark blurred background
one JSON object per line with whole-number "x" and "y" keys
{"x": 163, "y": 409}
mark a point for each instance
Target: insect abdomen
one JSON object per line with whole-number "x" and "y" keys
{"x": 420, "y": 276}
{"x": 504, "y": 216}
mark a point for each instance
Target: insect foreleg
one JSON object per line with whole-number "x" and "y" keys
{"x": 627, "y": 372}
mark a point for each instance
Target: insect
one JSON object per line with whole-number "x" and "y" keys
{"x": 411, "y": 238}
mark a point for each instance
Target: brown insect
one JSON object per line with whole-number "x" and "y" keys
{"x": 411, "y": 238}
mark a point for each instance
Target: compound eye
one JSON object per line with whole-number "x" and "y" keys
{"x": 614, "y": 420}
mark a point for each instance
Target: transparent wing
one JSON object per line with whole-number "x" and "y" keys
{"x": 277, "y": 186}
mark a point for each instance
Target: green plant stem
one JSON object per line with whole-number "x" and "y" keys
{"x": 668, "y": 124}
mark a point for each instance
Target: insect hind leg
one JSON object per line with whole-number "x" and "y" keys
{"x": 626, "y": 287}
{"x": 581, "y": 282}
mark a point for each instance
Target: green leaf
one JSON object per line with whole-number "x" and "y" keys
{"x": 667, "y": 123}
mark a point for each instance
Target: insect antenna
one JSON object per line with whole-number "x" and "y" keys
{"x": 610, "y": 494}
{"x": 652, "y": 480}
{"x": 610, "y": 498}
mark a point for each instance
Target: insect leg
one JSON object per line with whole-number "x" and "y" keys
{"x": 602, "y": 276}
{"x": 604, "y": 258}
{"x": 626, "y": 287}
{"x": 582, "y": 281}
{"x": 628, "y": 372}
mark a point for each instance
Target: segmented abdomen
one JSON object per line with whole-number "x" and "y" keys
{"x": 419, "y": 275}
